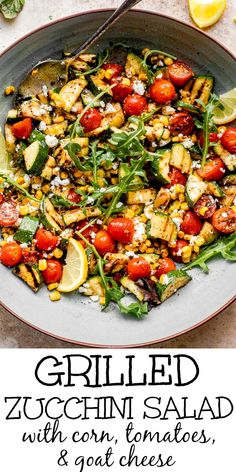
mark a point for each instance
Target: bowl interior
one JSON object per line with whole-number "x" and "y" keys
{"x": 74, "y": 318}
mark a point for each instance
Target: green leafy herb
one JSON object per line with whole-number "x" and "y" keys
{"x": 208, "y": 124}
{"x": 19, "y": 187}
{"x": 59, "y": 201}
{"x": 102, "y": 57}
{"x": 11, "y": 8}
{"x": 73, "y": 149}
{"x": 187, "y": 106}
{"x": 222, "y": 247}
{"x": 147, "y": 67}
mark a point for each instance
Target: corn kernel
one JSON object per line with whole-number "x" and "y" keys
{"x": 20, "y": 180}
{"x": 186, "y": 251}
{"x": 51, "y": 162}
{"x": 101, "y": 74}
{"x": 9, "y": 90}
{"x": 125, "y": 81}
{"x": 114, "y": 180}
{"x": 1, "y": 180}
{"x": 55, "y": 296}
{"x": 184, "y": 206}
{"x": 39, "y": 194}
{"x": 181, "y": 234}
{"x": 64, "y": 175}
{"x": 58, "y": 119}
{"x": 194, "y": 138}
{"x": 58, "y": 253}
{"x": 46, "y": 188}
{"x": 142, "y": 76}
{"x": 150, "y": 250}
{"x": 166, "y": 134}
{"x": 52, "y": 286}
{"x": 185, "y": 93}
{"x": 145, "y": 51}
{"x": 168, "y": 61}
{"x": 196, "y": 248}
{"x": 174, "y": 206}
{"x": 181, "y": 197}
{"x": 24, "y": 210}
{"x": 203, "y": 210}
{"x": 186, "y": 260}
{"x": 162, "y": 279}
{"x": 148, "y": 243}
{"x": 164, "y": 120}
{"x": 187, "y": 237}
{"x": 179, "y": 188}
{"x": 176, "y": 139}
{"x": 164, "y": 252}
{"x": 234, "y": 208}
{"x": 222, "y": 129}
{"x": 129, "y": 214}
{"x": 143, "y": 219}
{"x": 34, "y": 72}
{"x": 42, "y": 264}
{"x": 199, "y": 241}
{"x": 109, "y": 74}
{"x": 102, "y": 300}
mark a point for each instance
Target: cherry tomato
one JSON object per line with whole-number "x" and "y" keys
{"x": 22, "y": 129}
{"x": 91, "y": 120}
{"x": 11, "y": 254}
{"x": 228, "y": 140}
{"x": 213, "y": 137}
{"x": 53, "y": 273}
{"x": 208, "y": 202}
{"x": 9, "y": 214}
{"x": 121, "y": 229}
{"x": 90, "y": 232}
{"x": 191, "y": 223}
{"x": 162, "y": 91}
{"x": 166, "y": 265}
{"x": 1, "y": 198}
{"x": 181, "y": 122}
{"x": 121, "y": 90}
{"x": 176, "y": 251}
{"x": 135, "y": 104}
{"x": 214, "y": 169}
{"x": 138, "y": 268}
{"x": 103, "y": 242}
{"x": 116, "y": 69}
{"x": 73, "y": 197}
{"x": 45, "y": 240}
{"x": 179, "y": 73}
{"x": 176, "y": 177}
{"x": 30, "y": 255}
{"x": 224, "y": 220}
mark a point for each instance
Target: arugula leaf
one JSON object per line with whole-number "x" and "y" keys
{"x": 187, "y": 106}
{"x": 208, "y": 124}
{"x": 147, "y": 67}
{"x": 102, "y": 57}
{"x": 11, "y": 8}
{"x": 223, "y": 246}
{"x": 136, "y": 309}
{"x": 59, "y": 201}
{"x": 72, "y": 149}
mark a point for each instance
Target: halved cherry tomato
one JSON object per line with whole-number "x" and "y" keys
{"x": 228, "y": 140}
{"x": 135, "y": 104}
{"x": 206, "y": 201}
{"x": 181, "y": 122}
{"x": 162, "y": 91}
{"x": 214, "y": 169}
{"x": 73, "y": 197}
{"x": 213, "y": 137}
{"x": 176, "y": 177}
{"x": 45, "y": 240}
{"x": 191, "y": 223}
{"x": 224, "y": 220}
{"x": 53, "y": 273}
{"x": 121, "y": 90}
{"x": 90, "y": 232}
{"x": 11, "y": 254}
{"x": 9, "y": 214}
{"x": 22, "y": 129}
{"x": 179, "y": 73}
{"x": 166, "y": 265}
{"x": 103, "y": 242}
{"x": 1, "y": 198}
{"x": 91, "y": 120}
{"x": 176, "y": 251}
{"x": 116, "y": 69}
{"x": 30, "y": 255}
{"x": 138, "y": 268}
{"x": 121, "y": 229}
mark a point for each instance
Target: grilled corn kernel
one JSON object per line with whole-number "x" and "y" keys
{"x": 180, "y": 234}
{"x": 222, "y": 129}
{"x": 143, "y": 219}
{"x": 199, "y": 241}
{"x": 52, "y": 286}
{"x": 166, "y": 134}
{"x": 150, "y": 250}
{"x": 125, "y": 81}
{"x": 148, "y": 243}
{"x": 109, "y": 74}
{"x": 46, "y": 188}
{"x": 114, "y": 180}
{"x": 184, "y": 206}
{"x": 20, "y": 180}
{"x": 164, "y": 252}
{"x": 101, "y": 74}
{"x": 184, "y": 93}
{"x": 51, "y": 162}
{"x": 9, "y": 90}
{"x": 174, "y": 206}
{"x": 102, "y": 301}
{"x": 25, "y": 201}
{"x": 142, "y": 76}
{"x": 203, "y": 210}
{"x": 168, "y": 61}
{"x": 58, "y": 119}
{"x": 129, "y": 214}
{"x": 24, "y": 210}
{"x": 145, "y": 51}
{"x": 186, "y": 251}
{"x": 35, "y": 204}
{"x": 162, "y": 279}
{"x": 187, "y": 237}
{"x": 64, "y": 175}
{"x": 55, "y": 296}
{"x": 176, "y": 139}
{"x": 58, "y": 253}
{"x": 194, "y": 138}
{"x": 196, "y": 248}
{"x": 164, "y": 120}
{"x": 42, "y": 264}
{"x": 181, "y": 197}
{"x": 101, "y": 173}
{"x": 34, "y": 72}
{"x": 234, "y": 208}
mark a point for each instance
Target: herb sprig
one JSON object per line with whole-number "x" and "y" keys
{"x": 102, "y": 58}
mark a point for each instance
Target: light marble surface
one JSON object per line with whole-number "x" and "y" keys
{"x": 219, "y": 332}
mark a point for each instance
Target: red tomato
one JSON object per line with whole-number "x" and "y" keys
{"x": 116, "y": 69}
{"x": 11, "y": 254}
{"x": 30, "y": 255}
{"x": 121, "y": 229}
{"x": 214, "y": 169}
{"x": 103, "y": 242}
{"x": 91, "y": 120}
{"x": 191, "y": 223}
{"x": 162, "y": 91}
{"x": 176, "y": 251}
{"x": 228, "y": 140}
{"x": 45, "y": 240}
{"x": 138, "y": 268}
{"x": 90, "y": 232}
{"x": 213, "y": 137}
{"x": 22, "y": 129}
{"x": 176, "y": 177}
{"x": 166, "y": 265}
{"x": 1, "y": 198}
{"x": 53, "y": 273}
{"x": 9, "y": 214}
{"x": 135, "y": 104}
{"x": 121, "y": 90}
{"x": 208, "y": 202}
{"x": 181, "y": 122}
{"x": 73, "y": 197}
{"x": 179, "y": 73}
{"x": 224, "y": 220}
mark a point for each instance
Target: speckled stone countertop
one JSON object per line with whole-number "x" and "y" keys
{"x": 219, "y": 332}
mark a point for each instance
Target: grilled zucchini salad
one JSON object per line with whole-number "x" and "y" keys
{"x": 108, "y": 182}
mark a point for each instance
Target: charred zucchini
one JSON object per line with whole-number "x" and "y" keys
{"x": 30, "y": 274}
{"x": 172, "y": 282}
{"x": 195, "y": 188}
{"x": 228, "y": 159}
{"x": 160, "y": 166}
{"x": 134, "y": 67}
{"x": 138, "y": 197}
{"x": 27, "y": 229}
{"x": 180, "y": 158}
{"x": 162, "y": 227}
{"x": 208, "y": 233}
{"x": 199, "y": 88}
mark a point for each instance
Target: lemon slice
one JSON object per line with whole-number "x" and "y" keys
{"x": 206, "y": 12}
{"x": 228, "y": 99}
{"x": 4, "y": 160}
{"x": 75, "y": 270}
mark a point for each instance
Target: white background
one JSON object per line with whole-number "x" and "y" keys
{"x": 216, "y": 378}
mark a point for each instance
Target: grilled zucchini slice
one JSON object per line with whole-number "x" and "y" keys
{"x": 30, "y": 274}
{"x": 74, "y": 216}
{"x": 162, "y": 227}
{"x": 180, "y": 158}
{"x": 199, "y": 88}
{"x": 97, "y": 85}
{"x": 174, "y": 281}
{"x": 142, "y": 196}
{"x": 35, "y": 156}
{"x": 195, "y": 188}
{"x": 160, "y": 166}
{"x": 27, "y": 229}
{"x": 70, "y": 93}
{"x": 208, "y": 233}
{"x": 133, "y": 288}
{"x": 228, "y": 159}
{"x": 134, "y": 67}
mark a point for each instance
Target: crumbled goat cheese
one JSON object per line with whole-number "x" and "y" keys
{"x": 160, "y": 63}
{"x": 90, "y": 200}
{"x": 129, "y": 253}
{"x": 153, "y": 144}
{"x": 115, "y": 166}
{"x": 162, "y": 142}
{"x": 165, "y": 279}
{"x": 224, "y": 214}
{"x": 192, "y": 240}
{"x": 27, "y": 178}
{"x": 40, "y": 112}
{"x": 119, "y": 205}
{"x": 110, "y": 108}
{"x": 51, "y": 141}
{"x": 82, "y": 289}
{"x": 42, "y": 126}
{"x": 177, "y": 222}
{"x": 93, "y": 235}
{"x": 139, "y": 87}
{"x": 9, "y": 239}
{"x": 188, "y": 143}
{"x": 57, "y": 181}
{"x": 168, "y": 110}
{"x": 35, "y": 186}
{"x": 23, "y": 245}
{"x": 45, "y": 90}
{"x": 139, "y": 230}
{"x": 102, "y": 104}
{"x": 148, "y": 210}
{"x": 99, "y": 222}
{"x": 196, "y": 164}
{"x": 74, "y": 109}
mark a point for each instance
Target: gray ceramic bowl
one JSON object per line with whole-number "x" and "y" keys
{"x": 72, "y": 319}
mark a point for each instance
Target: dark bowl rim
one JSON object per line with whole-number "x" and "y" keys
{"x": 166, "y": 338}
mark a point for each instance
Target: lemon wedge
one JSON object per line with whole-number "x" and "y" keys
{"x": 4, "y": 160}
{"x": 75, "y": 270}
{"x": 206, "y": 12}
{"x": 228, "y": 99}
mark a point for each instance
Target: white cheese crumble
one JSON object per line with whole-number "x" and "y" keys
{"x": 168, "y": 110}
{"x": 57, "y": 181}
{"x": 45, "y": 90}
{"x": 51, "y": 141}
{"x": 139, "y": 87}
{"x": 196, "y": 164}
{"x": 110, "y": 108}
{"x": 27, "y": 178}
{"x": 139, "y": 230}
{"x": 188, "y": 143}
{"x": 165, "y": 279}
{"x": 90, "y": 200}
{"x": 42, "y": 126}
{"x": 177, "y": 222}
{"x": 119, "y": 205}
{"x": 23, "y": 245}
{"x": 36, "y": 186}
{"x": 129, "y": 253}
{"x": 148, "y": 210}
